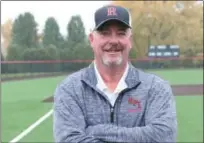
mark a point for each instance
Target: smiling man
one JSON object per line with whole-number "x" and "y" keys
{"x": 111, "y": 100}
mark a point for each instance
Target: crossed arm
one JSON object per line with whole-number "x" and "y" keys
{"x": 161, "y": 124}
{"x": 68, "y": 120}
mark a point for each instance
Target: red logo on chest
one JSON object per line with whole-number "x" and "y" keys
{"x": 136, "y": 105}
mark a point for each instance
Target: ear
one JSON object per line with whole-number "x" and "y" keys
{"x": 91, "y": 38}
{"x": 131, "y": 41}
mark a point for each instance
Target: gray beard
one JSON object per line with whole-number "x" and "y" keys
{"x": 111, "y": 63}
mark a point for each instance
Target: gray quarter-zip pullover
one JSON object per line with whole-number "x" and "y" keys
{"x": 143, "y": 112}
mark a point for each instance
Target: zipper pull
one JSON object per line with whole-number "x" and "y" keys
{"x": 112, "y": 115}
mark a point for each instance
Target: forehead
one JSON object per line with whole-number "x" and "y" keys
{"x": 113, "y": 23}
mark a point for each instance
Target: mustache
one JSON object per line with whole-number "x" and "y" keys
{"x": 113, "y": 48}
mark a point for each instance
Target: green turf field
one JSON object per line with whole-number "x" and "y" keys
{"x": 190, "y": 118}
{"x": 22, "y": 106}
{"x": 190, "y": 122}
{"x": 190, "y": 76}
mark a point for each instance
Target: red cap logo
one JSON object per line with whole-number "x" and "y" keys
{"x": 111, "y": 11}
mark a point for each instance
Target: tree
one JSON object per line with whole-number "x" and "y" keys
{"x": 52, "y": 33}
{"x": 3, "y": 65}
{"x": 48, "y": 53}
{"x": 24, "y": 31}
{"x": 2, "y": 58}
{"x": 83, "y": 51}
{"x": 6, "y": 29}
{"x": 190, "y": 31}
{"x": 15, "y": 52}
{"x": 164, "y": 23}
{"x": 76, "y": 31}
{"x": 53, "y": 52}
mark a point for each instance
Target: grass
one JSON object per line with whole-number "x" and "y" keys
{"x": 190, "y": 76}
{"x": 190, "y": 118}
{"x": 195, "y": 76}
{"x": 22, "y": 106}
{"x": 189, "y": 114}
{"x": 44, "y": 129}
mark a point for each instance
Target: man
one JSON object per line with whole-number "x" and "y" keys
{"x": 112, "y": 101}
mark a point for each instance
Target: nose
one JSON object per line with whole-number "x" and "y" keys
{"x": 113, "y": 40}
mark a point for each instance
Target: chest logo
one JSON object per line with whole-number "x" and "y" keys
{"x": 136, "y": 105}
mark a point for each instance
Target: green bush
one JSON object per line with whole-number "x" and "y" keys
{"x": 42, "y": 54}
{"x": 15, "y": 54}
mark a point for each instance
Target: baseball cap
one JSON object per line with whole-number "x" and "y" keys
{"x": 112, "y": 12}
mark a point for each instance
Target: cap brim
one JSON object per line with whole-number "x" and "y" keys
{"x": 103, "y": 22}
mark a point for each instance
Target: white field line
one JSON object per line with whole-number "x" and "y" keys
{"x": 31, "y": 127}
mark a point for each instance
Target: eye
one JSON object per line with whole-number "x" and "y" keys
{"x": 104, "y": 33}
{"x": 122, "y": 33}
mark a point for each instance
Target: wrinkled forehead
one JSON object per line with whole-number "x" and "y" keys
{"x": 113, "y": 23}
